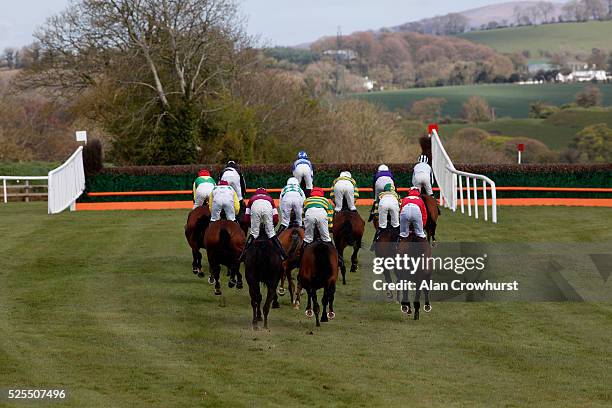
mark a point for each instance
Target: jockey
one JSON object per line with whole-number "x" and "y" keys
{"x": 231, "y": 173}
{"x": 202, "y": 187}
{"x": 319, "y": 212}
{"x": 261, "y": 210}
{"x": 382, "y": 177}
{"x": 223, "y": 197}
{"x": 422, "y": 176}
{"x": 303, "y": 171}
{"x": 344, "y": 187}
{"x": 388, "y": 203}
{"x": 291, "y": 198}
{"x": 413, "y": 212}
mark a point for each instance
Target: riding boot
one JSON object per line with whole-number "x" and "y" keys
{"x": 281, "y": 229}
{"x": 307, "y": 192}
{"x": 248, "y": 243}
{"x": 376, "y": 236}
{"x": 371, "y": 217}
{"x": 280, "y": 248}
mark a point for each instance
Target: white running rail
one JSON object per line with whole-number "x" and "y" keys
{"x": 66, "y": 183}
{"x": 18, "y": 179}
{"x": 451, "y": 183}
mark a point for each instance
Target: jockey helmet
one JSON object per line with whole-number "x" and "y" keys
{"x": 345, "y": 174}
{"x": 389, "y": 187}
{"x": 261, "y": 190}
{"x": 203, "y": 173}
{"x": 302, "y": 155}
{"x": 414, "y": 191}
{"x": 223, "y": 183}
{"x": 232, "y": 164}
{"x": 383, "y": 167}
{"x": 423, "y": 159}
{"x": 292, "y": 181}
{"x": 317, "y": 192}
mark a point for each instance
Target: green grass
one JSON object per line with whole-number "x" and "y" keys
{"x": 26, "y": 168}
{"x": 509, "y": 100}
{"x": 571, "y": 37}
{"x": 104, "y": 304}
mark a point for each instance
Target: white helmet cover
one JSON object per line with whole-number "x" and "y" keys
{"x": 292, "y": 181}
{"x": 345, "y": 174}
{"x": 383, "y": 167}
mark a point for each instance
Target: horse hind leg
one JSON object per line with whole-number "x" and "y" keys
{"x": 354, "y": 258}
{"x": 271, "y": 295}
{"x": 331, "y": 294}
{"x": 324, "y": 300}
{"x": 316, "y": 307}
{"x": 253, "y": 289}
{"x": 342, "y": 264}
{"x": 216, "y": 272}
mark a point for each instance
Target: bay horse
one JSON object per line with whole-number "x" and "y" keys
{"x": 348, "y": 231}
{"x": 318, "y": 270}
{"x": 433, "y": 212}
{"x": 224, "y": 242}
{"x": 263, "y": 264}
{"x": 386, "y": 247}
{"x": 415, "y": 247}
{"x": 291, "y": 239}
{"x": 197, "y": 223}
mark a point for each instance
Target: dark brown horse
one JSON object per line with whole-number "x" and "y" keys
{"x": 415, "y": 247}
{"x": 386, "y": 247}
{"x": 433, "y": 212}
{"x": 197, "y": 222}
{"x": 262, "y": 264}
{"x": 318, "y": 270}
{"x": 224, "y": 242}
{"x": 348, "y": 231}
{"x": 291, "y": 239}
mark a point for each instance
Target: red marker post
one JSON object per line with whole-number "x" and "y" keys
{"x": 520, "y": 148}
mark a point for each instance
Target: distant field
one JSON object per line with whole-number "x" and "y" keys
{"x": 574, "y": 37}
{"x": 104, "y": 305}
{"x": 509, "y": 100}
{"x": 26, "y": 168}
{"x": 557, "y": 131}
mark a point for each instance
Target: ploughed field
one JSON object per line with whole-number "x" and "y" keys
{"x": 104, "y": 305}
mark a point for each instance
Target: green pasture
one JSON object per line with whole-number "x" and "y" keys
{"x": 567, "y": 37}
{"x": 509, "y": 100}
{"x": 104, "y": 305}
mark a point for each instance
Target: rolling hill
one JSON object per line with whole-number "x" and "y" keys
{"x": 573, "y": 37}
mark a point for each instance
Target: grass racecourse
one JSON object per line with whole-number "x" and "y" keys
{"x": 104, "y": 305}
{"x": 509, "y": 100}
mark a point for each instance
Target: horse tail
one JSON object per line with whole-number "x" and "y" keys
{"x": 347, "y": 231}
{"x": 225, "y": 238}
{"x": 295, "y": 240}
{"x": 323, "y": 265}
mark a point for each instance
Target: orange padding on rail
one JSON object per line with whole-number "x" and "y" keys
{"x": 170, "y": 205}
{"x": 363, "y": 189}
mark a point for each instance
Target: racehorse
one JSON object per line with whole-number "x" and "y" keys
{"x": 433, "y": 212}
{"x": 197, "y": 222}
{"x": 291, "y": 239}
{"x": 348, "y": 231}
{"x": 415, "y": 247}
{"x": 386, "y": 247}
{"x": 263, "y": 264}
{"x": 318, "y": 270}
{"x": 224, "y": 242}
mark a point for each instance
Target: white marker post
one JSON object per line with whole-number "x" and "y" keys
{"x": 520, "y": 149}
{"x": 81, "y": 136}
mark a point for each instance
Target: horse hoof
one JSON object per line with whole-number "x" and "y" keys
{"x": 259, "y": 319}
{"x": 416, "y": 315}
{"x": 200, "y": 274}
{"x": 427, "y": 308}
{"x": 195, "y": 271}
{"x": 296, "y": 305}
{"x": 218, "y": 292}
{"x": 406, "y": 309}
{"x": 211, "y": 279}
{"x": 324, "y": 319}
{"x": 280, "y": 291}
{"x": 434, "y": 243}
{"x": 275, "y": 305}
{"x": 231, "y": 283}
{"x": 331, "y": 315}
{"x": 309, "y": 313}
{"x": 239, "y": 285}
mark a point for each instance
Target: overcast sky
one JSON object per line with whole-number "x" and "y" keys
{"x": 278, "y": 22}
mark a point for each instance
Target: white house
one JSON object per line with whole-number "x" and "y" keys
{"x": 368, "y": 84}
{"x": 584, "y": 75}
